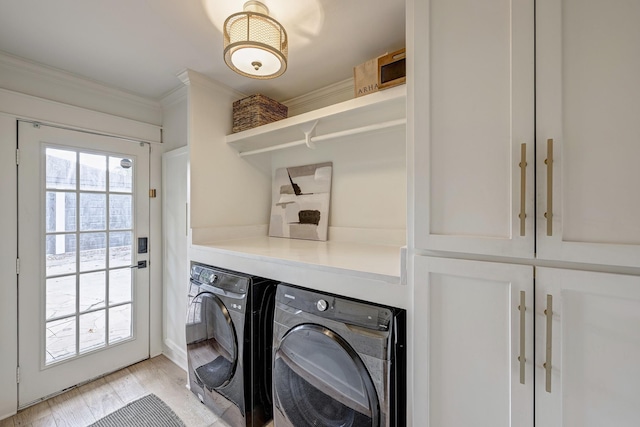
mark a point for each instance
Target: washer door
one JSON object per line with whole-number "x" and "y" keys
{"x": 319, "y": 380}
{"x": 211, "y": 341}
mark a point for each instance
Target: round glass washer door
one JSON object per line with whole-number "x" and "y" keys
{"x": 320, "y": 380}
{"x": 211, "y": 341}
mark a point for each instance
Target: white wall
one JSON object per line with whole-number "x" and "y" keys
{"x": 174, "y": 119}
{"x": 8, "y": 279}
{"x": 225, "y": 190}
{"x": 369, "y": 182}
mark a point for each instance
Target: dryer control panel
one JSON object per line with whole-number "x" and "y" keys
{"x": 336, "y": 308}
{"x": 218, "y": 278}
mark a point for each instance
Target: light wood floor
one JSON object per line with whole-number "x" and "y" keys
{"x": 84, "y": 405}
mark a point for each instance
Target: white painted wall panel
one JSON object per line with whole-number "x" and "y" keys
{"x": 8, "y": 282}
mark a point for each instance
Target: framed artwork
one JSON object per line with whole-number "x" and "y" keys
{"x": 300, "y": 202}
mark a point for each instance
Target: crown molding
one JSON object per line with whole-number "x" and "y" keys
{"x": 328, "y": 95}
{"x": 174, "y": 96}
{"x": 23, "y": 75}
{"x": 189, "y": 77}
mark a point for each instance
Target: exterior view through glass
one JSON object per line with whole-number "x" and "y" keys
{"x": 89, "y": 229}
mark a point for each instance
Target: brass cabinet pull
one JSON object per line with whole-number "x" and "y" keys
{"x": 522, "y": 358}
{"x": 549, "y": 162}
{"x": 547, "y": 364}
{"x": 523, "y": 187}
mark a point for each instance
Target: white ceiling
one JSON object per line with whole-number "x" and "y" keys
{"x": 141, "y": 45}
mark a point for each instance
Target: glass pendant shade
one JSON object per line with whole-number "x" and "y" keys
{"x": 255, "y": 45}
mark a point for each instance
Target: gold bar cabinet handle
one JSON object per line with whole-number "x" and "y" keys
{"x": 521, "y": 358}
{"x": 547, "y": 364}
{"x": 549, "y": 162}
{"x": 523, "y": 187}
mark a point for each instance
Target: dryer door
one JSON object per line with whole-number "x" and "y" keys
{"x": 320, "y": 380}
{"x": 211, "y": 341}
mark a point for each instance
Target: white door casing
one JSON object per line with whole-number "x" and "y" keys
{"x": 43, "y": 373}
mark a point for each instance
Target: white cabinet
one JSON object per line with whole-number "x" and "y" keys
{"x": 474, "y": 125}
{"x": 470, "y": 111}
{"x": 479, "y": 100}
{"x": 588, "y": 104}
{"x": 175, "y": 244}
{"x": 587, "y": 333}
{"x": 475, "y": 343}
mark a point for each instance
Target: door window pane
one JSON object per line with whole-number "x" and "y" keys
{"x": 93, "y": 251}
{"x": 119, "y": 323}
{"x": 120, "y": 286}
{"x": 120, "y": 248}
{"x": 60, "y": 211}
{"x": 60, "y": 169}
{"x": 92, "y": 291}
{"x": 60, "y": 339}
{"x": 61, "y": 296}
{"x": 92, "y": 331}
{"x": 120, "y": 174}
{"x": 93, "y": 211}
{"x": 93, "y": 172}
{"x": 60, "y": 252}
{"x": 120, "y": 211}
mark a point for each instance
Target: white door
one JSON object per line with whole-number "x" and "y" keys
{"x": 474, "y": 127}
{"x": 474, "y": 342}
{"x": 83, "y": 205}
{"x": 588, "y": 104}
{"x": 587, "y": 349}
{"x": 175, "y": 238}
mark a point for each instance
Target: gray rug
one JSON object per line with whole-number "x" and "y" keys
{"x": 148, "y": 411}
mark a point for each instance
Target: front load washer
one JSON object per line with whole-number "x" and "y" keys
{"x": 229, "y": 338}
{"x": 337, "y": 361}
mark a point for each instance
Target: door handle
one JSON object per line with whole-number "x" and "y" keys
{"x": 521, "y": 357}
{"x": 523, "y": 187}
{"x": 141, "y": 264}
{"x": 547, "y": 364}
{"x": 549, "y": 162}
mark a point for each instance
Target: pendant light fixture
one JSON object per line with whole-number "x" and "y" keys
{"x": 255, "y": 45}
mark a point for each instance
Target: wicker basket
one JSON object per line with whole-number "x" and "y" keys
{"x": 256, "y": 110}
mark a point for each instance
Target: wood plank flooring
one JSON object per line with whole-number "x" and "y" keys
{"x": 84, "y": 405}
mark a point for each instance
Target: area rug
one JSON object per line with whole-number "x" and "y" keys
{"x": 148, "y": 411}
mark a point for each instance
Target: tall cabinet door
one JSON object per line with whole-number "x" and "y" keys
{"x": 473, "y": 113}
{"x": 474, "y": 335}
{"x": 588, "y": 131}
{"x": 587, "y": 349}
{"x": 175, "y": 245}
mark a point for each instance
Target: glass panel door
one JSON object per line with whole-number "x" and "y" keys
{"x": 83, "y": 307}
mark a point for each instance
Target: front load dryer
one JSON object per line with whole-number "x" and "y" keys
{"x": 337, "y": 361}
{"x": 229, "y": 338}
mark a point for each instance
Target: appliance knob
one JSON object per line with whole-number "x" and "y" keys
{"x": 322, "y": 305}
{"x": 212, "y": 279}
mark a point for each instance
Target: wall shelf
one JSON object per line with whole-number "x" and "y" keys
{"x": 370, "y": 113}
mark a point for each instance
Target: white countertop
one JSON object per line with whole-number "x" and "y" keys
{"x": 365, "y": 271}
